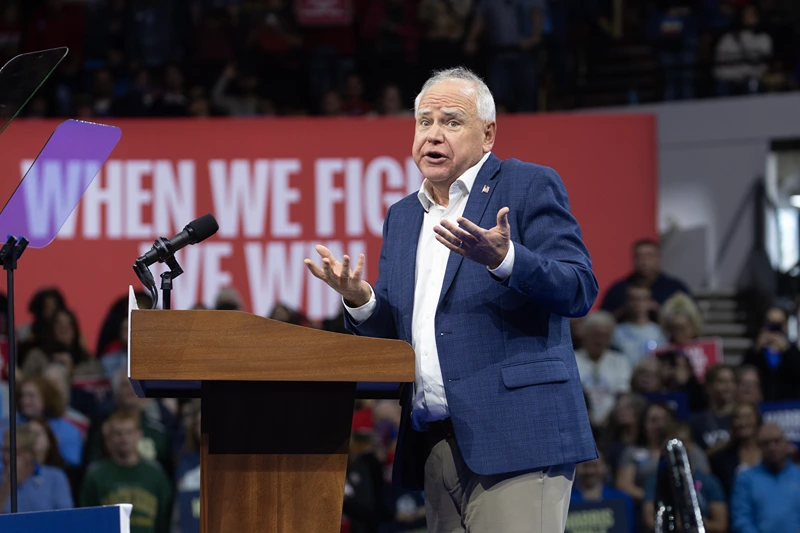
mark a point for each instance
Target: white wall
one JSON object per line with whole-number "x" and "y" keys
{"x": 710, "y": 151}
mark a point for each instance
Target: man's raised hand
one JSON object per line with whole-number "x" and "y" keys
{"x": 340, "y": 278}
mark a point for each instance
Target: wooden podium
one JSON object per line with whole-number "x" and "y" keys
{"x": 277, "y": 407}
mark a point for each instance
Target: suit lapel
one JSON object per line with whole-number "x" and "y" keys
{"x": 407, "y": 258}
{"x": 479, "y": 195}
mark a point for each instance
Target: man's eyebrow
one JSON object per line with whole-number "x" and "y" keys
{"x": 453, "y": 113}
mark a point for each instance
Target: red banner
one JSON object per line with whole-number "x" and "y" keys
{"x": 323, "y": 12}
{"x": 278, "y": 187}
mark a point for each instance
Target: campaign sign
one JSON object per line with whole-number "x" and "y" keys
{"x": 607, "y": 516}
{"x": 786, "y": 415}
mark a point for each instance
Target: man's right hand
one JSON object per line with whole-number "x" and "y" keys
{"x": 355, "y": 291}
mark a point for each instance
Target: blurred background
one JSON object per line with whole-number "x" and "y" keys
{"x": 695, "y": 336}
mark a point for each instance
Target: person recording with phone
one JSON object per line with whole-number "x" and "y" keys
{"x": 776, "y": 358}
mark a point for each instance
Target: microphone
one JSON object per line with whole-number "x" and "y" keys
{"x": 195, "y": 231}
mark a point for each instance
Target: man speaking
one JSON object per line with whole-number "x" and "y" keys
{"x": 479, "y": 272}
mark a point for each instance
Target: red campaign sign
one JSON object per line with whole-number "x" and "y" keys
{"x": 323, "y": 12}
{"x": 278, "y": 187}
{"x": 702, "y": 354}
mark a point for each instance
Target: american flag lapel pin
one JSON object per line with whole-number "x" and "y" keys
{"x": 485, "y": 188}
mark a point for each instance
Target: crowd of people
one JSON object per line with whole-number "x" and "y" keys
{"x": 267, "y": 57}
{"x": 86, "y": 439}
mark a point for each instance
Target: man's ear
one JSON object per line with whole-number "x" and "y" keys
{"x": 489, "y": 134}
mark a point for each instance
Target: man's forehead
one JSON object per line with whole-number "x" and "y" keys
{"x": 448, "y": 111}
{"x": 449, "y": 94}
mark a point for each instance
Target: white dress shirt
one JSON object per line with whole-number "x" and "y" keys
{"x": 430, "y": 402}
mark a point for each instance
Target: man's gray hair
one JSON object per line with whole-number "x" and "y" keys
{"x": 484, "y": 101}
{"x": 597, "y": 319}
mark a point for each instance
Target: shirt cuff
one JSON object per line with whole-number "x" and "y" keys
{"x": 360, "y": 314}
{"x": 504, "y": 269}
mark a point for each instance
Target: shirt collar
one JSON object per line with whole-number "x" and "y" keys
{"x": 464, "y": 182}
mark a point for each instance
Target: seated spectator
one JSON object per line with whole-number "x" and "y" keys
{"x": 604, "y": 373}
{"x": 777, "y": 360}
{"x": 354, "y": 102}
{"x": 39, "y": 487}
{"x": 711, "y": 428}
{"x": 64, "y": 331}
{"x": 710, "y": 499}
{"x": 623, "y": 428}
{"x": 109, "y": 339}
{"x": 766, "y": 497}
{"x": 155, "y": 423}
{"x": 127, "y": 478}
{"x": 742, "y": 56}
{"x": 228, "y": 299}
{"x": 646, "y": 378}
{"x": 677, "y": 376}
{"x": 748, "y": 385}
{"x": 637, "y": 336}
{"x": 38, "y": 399}
{"x": 116, "y": 359}
{"x": 590, "y": 486}
{"x": 742, "y": 450}
{"x": 45, "y": 444}
{"x": 681, "y": 320}
{"x": 59, "y": 378}
{"x": 189, "y": 457}
{"x": 390, "y": 102}
{"x": 646, "y": 272}
{"x": 639, "y": 462}
{"x": 43, "y": 306}
{"x": 79, "y": 400}
{"x": 187, "y": 472}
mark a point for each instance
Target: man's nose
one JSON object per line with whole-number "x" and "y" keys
{"x": 435, "y": 134}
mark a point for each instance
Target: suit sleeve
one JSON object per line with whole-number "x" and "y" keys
{"x": 552, "y": 266}
{"x": 381, "y": 322}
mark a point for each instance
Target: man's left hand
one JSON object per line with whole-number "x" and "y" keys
{"x": 485, "y": 246}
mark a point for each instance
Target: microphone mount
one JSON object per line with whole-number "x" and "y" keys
{"x": 165, "y": 255}
{"x": 163, "y": 251}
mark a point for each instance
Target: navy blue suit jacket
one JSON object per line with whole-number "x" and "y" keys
{"x": 505, "y": 350}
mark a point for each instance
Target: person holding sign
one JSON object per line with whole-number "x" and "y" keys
{"x": 480, "y": 271}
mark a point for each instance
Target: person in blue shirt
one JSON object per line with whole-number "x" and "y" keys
{"x": 766, "y": 497}
{"x": 40, "y": 487}
{"x": 589, "y": 487}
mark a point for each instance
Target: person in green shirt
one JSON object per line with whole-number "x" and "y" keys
{"x": 127, "y": 478}
{"x": 155, "y": 444}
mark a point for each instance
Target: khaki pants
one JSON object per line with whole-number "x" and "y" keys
{"x": 458, "y": 500}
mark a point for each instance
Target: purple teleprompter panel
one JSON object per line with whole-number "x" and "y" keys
{"x": 55, "y": 183}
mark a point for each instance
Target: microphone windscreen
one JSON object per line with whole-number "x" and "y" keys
{"x": 202, "y": 228}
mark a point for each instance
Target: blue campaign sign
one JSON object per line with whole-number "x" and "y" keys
{"x": 189, "y": 511}
{"x": 786, "y": 415}
{"x": 607, "y": 516}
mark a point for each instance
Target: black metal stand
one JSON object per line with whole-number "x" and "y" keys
{"x": 166, "y": 280}
{"x": 9, "y": 254}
